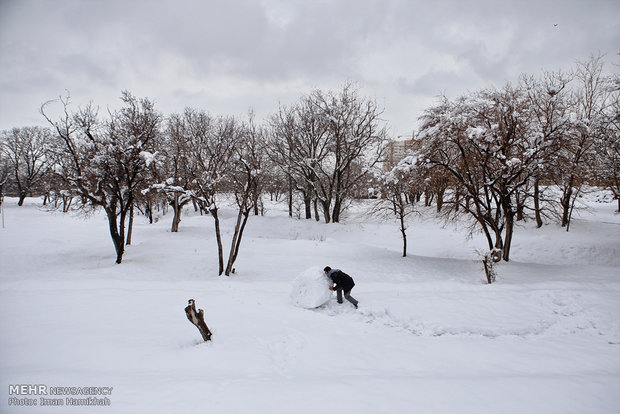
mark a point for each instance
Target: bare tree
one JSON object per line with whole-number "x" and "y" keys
{"x": 105, "y": 162}
{"x": 395, "y": 185}
{"x": 135, "y": 129}
{"x": 245, "y": 179}
{"x": 211, "y": 143}
{"x": 356, "y": 139}
{"x": 282, "y": 134}
{"x": 484, "y": 142}
{"x": 4, "y": 176}
{"x": 27, "y": 152}
{"x": 578, "y": 153}
{"x": 175, "y": 180}
{"x": 225, "y": 155}
{"x": 299, "y": 144}
{"x": 276, "y": 181}
{"x": 256, "y": 154}
{"x": 548, "y": 97}
{"x": 607, "y": 167}
{"x": 327, "y": 144}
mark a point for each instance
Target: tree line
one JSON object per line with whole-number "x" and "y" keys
{"x": 137, "y": 159}
{"x": 494, "y": 157}
{"x": 524, "y": 151}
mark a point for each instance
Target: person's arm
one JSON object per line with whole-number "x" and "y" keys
{"x": 336, "y": 279}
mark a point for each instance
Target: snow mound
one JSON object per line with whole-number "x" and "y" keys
{"x": 310, "y": 289}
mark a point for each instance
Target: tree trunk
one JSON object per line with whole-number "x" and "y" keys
{"x": 121, "y": 223}
{"x": 66, "y": 203}
{"x": 246, "y": 215}
{"x": 509, "y": 214}
{"x": 537, "y": 213}
{"x": 489, "y": 263}
{"x": 218, "y": 238}
{"x": 498, "y": 247}
{"x": 197, "y": 318}
{"x": 308, "y": 204}
{"x": 317, "y": 217}
{"x": 117, "y": 238}
{"x": 337, "y": 208}
{"x": 572, "y": 206}
{"x": 256, "y": 200}
{"x": 520, "y": 207}
{"x": 290, "y": 196}
{"x": 326, "y": 213}
{"x": 147, "y": 212}
{"x": 404, "y": 233}
{"x": 457, "y": 200}
{"x": 508, "y": 237}
{"x": 176, "y": 219}
{"x": 242, "y": 219}
{"x": 440, "y": 194}
{"x": 485, "y": 231}
{"x": 499, "y": 241}
{"x": 565, "y": 202}
{"x": 22, "y": 197}
{"x": 130, "y": 227}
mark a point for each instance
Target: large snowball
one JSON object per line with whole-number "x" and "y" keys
{"x": 311, "y": 288}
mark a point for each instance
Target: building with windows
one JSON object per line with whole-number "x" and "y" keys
{"x": 398, "y": 149}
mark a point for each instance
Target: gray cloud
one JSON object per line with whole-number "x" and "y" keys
{"x": 229, "y": 55}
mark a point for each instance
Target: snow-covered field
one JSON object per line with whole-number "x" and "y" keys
{"x": 429, "y": 337}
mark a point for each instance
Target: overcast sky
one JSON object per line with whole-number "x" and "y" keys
{"x": 229, "y": 56}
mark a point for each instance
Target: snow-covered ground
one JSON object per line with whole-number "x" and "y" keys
{"x": 429, "y": 337}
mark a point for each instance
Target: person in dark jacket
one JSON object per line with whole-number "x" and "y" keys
{"x": 342, "y": 282}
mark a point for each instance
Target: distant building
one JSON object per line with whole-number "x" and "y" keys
{"x": 399, "y": 149}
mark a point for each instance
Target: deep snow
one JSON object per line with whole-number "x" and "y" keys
{"x": 430, "y": 336}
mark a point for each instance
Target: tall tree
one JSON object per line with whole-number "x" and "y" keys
{"x": 577, "y": 153}
{"x": 299, "y": 144}
{"x": 212, "y": 142}
{"x": 484, "y": 142}
{"x": 174, "y": 177}
{"x": 4, "y": 176}
{"x": 105, "y": 161}
{"x": 607, "y": 166}
{"x": 395, "y": 185}
{"x": 27, "y": 152}
{"x": 245, "y": 181}
{"x": 356, "y": 136}
{"x": 135, "y": 130}
{"x": 327, "y": 144}
{"x": 549, "y": 99}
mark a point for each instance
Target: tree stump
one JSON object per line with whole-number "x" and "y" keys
{"x": 489, "y": 266}
{"x": 198, "y": 319}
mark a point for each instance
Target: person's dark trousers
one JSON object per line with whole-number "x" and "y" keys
{"x": 347, "y": 296}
